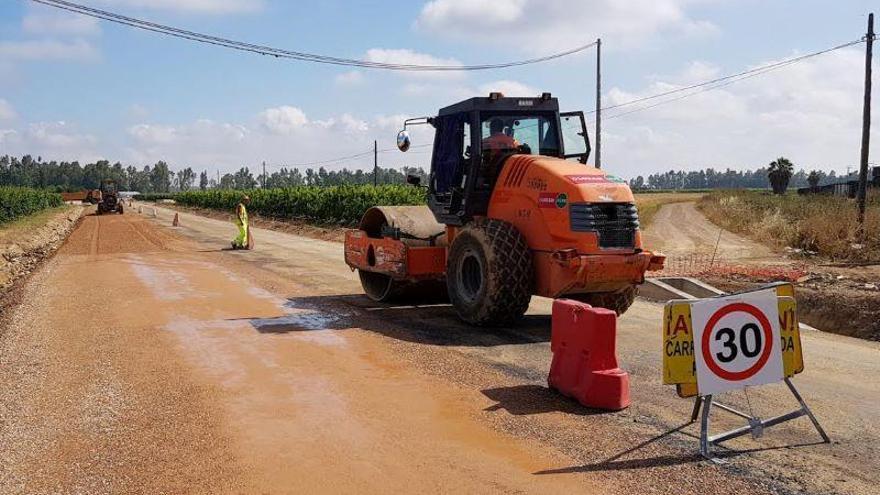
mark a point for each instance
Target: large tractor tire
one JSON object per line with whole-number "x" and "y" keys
{"x": 618, "y": 301}
{"x": 489, "y": 273}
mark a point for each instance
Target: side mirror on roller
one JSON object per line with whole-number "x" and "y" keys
{"x": 403, "y": 140}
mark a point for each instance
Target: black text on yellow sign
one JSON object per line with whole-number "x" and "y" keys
{"x": 679, "y": 365}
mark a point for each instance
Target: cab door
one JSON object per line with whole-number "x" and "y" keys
{"x": 575, "y": 140}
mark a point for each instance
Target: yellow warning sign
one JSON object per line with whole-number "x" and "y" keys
{"x": 679, "y": 365}
{"x": 792, "y": 354}
{"x": 678, "y": 344}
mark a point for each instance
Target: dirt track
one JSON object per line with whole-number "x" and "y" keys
{"x": 680, "y": 229}
{"x": 146, "y": 359}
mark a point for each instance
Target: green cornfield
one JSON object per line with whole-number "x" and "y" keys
{"x": 16, "y": 202}
{"x": 334, "y": 204}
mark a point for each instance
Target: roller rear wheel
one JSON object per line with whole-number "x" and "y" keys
{"x": 489, "y": 273}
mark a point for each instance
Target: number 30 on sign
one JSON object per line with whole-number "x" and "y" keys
{"x": 737, "y": 341}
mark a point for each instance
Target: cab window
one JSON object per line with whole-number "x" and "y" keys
{"x": 526, "y": 134}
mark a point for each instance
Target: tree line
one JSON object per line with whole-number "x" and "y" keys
{"x": 159, "y": 178}
{"x": 778, "y": 173}
{"x": 33, "y": 172}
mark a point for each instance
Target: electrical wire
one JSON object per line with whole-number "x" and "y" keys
{"x": 290, "y": 54}
{"x": 720, "y": 81}
{"x": 343, "y": 159}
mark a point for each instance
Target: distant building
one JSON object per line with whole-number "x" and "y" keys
{"x": 847, "y": 188}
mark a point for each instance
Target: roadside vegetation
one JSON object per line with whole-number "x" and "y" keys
{"x": 814, "y": 224}
{"x": 17, "y": 202}
{"x": 342, "y": 205}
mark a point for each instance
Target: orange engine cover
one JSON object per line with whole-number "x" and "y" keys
{"x": 535, "y": 194}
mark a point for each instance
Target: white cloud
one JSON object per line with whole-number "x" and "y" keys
{"x": 409, "y": 57}
{"x": 538, "y": 26}
{"x": 390, "y": 122}
{"x": 195, "y": 6}
{"x": 283, "y": 120}
{"x": 280, "y": 135}
{"x": 201, "y": 131}
{"x": 51, "y": 140}
{"x": 57, "y": 135}
{"x": 57, "y": 23}
{"x": 153, "y": 134}
{"x": 345, "y": 123}
{"x": 809, "y": 112}
{"x": 350, "y": 78}
{"x": 507, "y": 88}
{"x": 491, "y": 13}
{"x": 447, "y": 93}
{"x": 6, "y": 110}
{"x": 29, "y": 50}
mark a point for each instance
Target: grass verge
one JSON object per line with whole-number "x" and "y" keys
{"x": 16, "y": 230}
{"x": 824, "y": 225}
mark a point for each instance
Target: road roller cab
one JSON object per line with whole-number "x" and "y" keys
{"x": 513, "y": 211}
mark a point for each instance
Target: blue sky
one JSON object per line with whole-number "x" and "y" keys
{"x": 76, "y": 88}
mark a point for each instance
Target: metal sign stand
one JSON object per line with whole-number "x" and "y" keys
{"x": 755, "y": 427}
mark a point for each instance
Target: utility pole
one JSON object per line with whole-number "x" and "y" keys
{"x": 598, "y": 102}
{"x": 375, "y": 163}
{"x": 264, "y": 174}
{"x": 218, "y": 178}
{"x": 866, "y": 127}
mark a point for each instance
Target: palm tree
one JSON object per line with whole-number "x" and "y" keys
{"x": 779, "y": 173}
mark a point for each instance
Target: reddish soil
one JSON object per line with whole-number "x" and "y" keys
{"x": 140, "y": 362}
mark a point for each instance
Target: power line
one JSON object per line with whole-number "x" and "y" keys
{"x": 282, "y": 53}
{"x": 724, "y": 81}
{"x": 688, "y": 95}
{"x": 341, "y": 159}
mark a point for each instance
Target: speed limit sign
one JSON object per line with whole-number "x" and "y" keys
{"x": 737, "y": 341}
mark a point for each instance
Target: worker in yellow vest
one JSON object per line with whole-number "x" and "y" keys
{"x": 241, "y": 220}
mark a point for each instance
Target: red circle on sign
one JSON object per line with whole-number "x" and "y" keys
{"x": 762, "y": 359}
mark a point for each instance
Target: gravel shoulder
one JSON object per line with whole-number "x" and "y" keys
{"x": 24, "y": 243}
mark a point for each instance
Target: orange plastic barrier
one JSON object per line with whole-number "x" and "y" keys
{"x": 584, "y": 366}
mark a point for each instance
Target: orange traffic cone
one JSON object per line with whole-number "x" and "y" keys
{"x": 176, "y": 222}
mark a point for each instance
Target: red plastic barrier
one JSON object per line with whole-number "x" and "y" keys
{"x": 584, "y": 359}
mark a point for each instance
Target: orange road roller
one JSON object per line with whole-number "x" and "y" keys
{"x": 512, "y": 211}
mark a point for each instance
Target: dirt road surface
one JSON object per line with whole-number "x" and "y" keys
{"x": 146, "y": 359}
{"x": 679, "y": 229}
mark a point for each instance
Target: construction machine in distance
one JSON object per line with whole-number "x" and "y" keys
{"x": 513, "y": 211}
{"x": 92, "y": 196}
{"x": 109, "y": 198}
